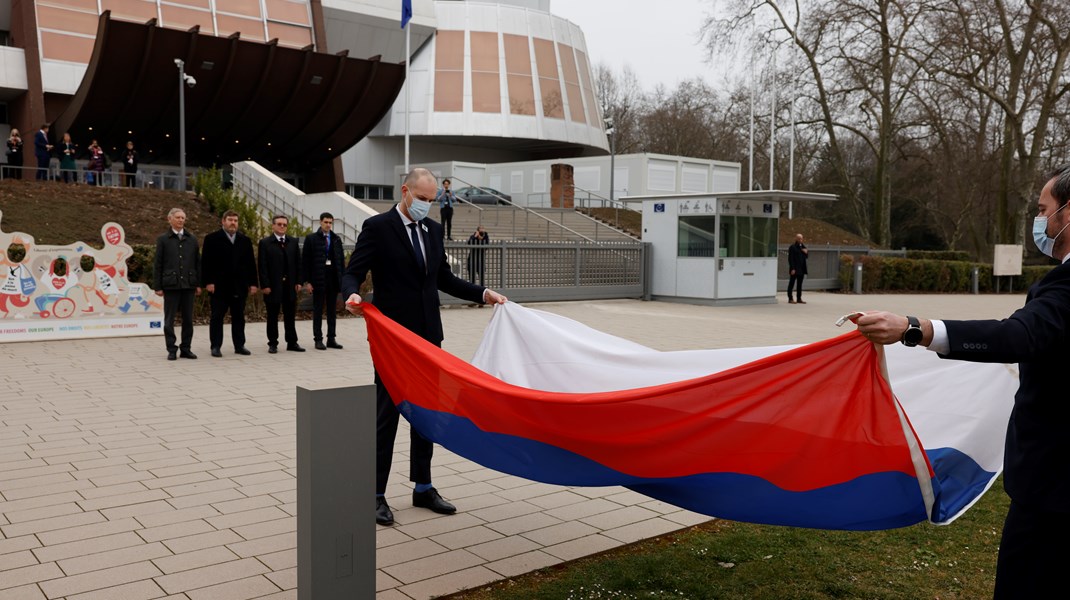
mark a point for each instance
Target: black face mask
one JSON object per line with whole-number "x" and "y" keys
{"x": 16, "y": 252}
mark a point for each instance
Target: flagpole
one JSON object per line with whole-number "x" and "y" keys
{"x": 408, "y": 95}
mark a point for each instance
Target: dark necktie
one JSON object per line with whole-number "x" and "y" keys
{"x": 416, "y": 246}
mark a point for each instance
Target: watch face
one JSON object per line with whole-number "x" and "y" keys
{"x": 912, "y": 336}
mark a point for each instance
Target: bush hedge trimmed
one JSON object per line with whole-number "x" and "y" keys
{"x": 892, "y": 274}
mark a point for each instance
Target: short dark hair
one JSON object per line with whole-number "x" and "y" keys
{"x": 230, "y": 213}
{"x": 277, "y": 217}
{"x": 446, "y": 180}
{"x": 326, "y": 215}
{"x": 44, "y": 126}
{"x": 1060, "y": 189}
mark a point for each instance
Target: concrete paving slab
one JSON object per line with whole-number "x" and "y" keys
{"x": 124, "y": 475}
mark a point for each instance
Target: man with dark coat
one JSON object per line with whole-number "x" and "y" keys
{"x": 279, "y": 260}
{"x": 228, "y": 273}
{"x": 42, "y": 150}
{"x": 404, "y": 252}
{"x": 797, "y": 254}
{"x": 176, "y": 275}
{"x": 324, "y": 259}
{"x": 1037, "y": 338}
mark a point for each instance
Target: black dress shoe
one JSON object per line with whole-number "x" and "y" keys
{"x": 383, "y": 514}
{"x": 273, "y": 349}
{"x": 243, "y": 351}
{"x": 320, "y": 346}
{"x": 172, "y": 355}
{"x": 186, "y": 354}
{"x": 294, "y": 348}
{"x": 216, "y": 353}
{"x": 432, "y": 500}
{"x": 334, "y": 344}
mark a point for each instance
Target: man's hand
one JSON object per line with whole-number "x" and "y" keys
{"x": 492, "y": 297}
{"x": 883, "y": 327}
{"x": 308, "y": 288}
{"x": 353, "y": 305}
{"x": 210, "y": 288}
{"x": 159, "y": 292}
{"x": 267, "y": 291}
{"x": 791, "y": 272}
{"x": 297, "y": 288}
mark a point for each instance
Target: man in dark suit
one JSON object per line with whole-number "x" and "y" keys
{"x": 1037, "y": 337}
{"x": 279, "y": 259}
{"x": 324, "y": 259}
{"x": 228, "y": 272}
{"x": 404, "y": 252}
{"x": 42, "y": 150}
{"x": 797, "y": 254}
{"x": 175, "y": 277}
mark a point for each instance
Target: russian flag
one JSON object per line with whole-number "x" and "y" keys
{"x": 809, "y": 436}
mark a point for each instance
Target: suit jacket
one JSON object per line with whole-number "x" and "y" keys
{"x": 279, "y": 270}
{"x": 230, "y": 267}
{"x": 177, "y": 262}
{"x": 797, "y": 259}
{"x": 40, "y": 145}
{"x": 314, "y": 256}
{"x": 1037, "y": 337}
{"x": 402, "y": 292}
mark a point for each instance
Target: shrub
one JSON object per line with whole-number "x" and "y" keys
{"x": 957, "y": 255}
{"x": 880, "y": 274}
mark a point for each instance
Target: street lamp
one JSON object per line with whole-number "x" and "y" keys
{"x": 611, "y": 133}
{"x": 183, "y": 81}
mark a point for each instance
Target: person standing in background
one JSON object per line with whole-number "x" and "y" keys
{"x": 476, "y": 256}
{"x": 130, "y": 159}
{"x": 228, "y": 273}
{"x": 446, "y": 199}
{"x": 15, "y": 154}
{"x": 324, "y": 259}
{"x": 42, "y": 150}
{"x": 67, "y": 166}
{"x": 279, "y": 260}
{"x": 797, "y": 254}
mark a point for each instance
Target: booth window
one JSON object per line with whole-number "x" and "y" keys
{"x": 697, "y": 236}
{"x": 748, "y": 237}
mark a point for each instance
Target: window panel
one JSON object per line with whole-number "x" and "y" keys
{"x": 138, "y": 10}
{"x": 575, "y": 103}
{"x": 249, "y": 8}
{"x": 484, "y": 51}
{"x": 192, "y": 3}
{"x": 449, "y": 50}
{"x": 286, "y": 10}
{"x": 517, "y": 54}
{"x": 250, "y": 29}
{"x": 290, "y": 35}
{"x": 545, "y": 58}
{"x": 568, "y": 64}
{"x": 748, "y": 237}
{"x": 66, "y": 20}
{"x": 486, "y": 93}
{"x": 176, "y": 17}
{"x": 697, "y": 236}
{"x": 57, "y": 46}
{"x": 521, "y": 95}
{"x": 88, "y": 5}
{"x": 449, "y": 85}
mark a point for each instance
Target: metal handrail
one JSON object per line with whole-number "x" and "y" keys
{"x": 144, "y": 178}
{"x": 527, "y": 211}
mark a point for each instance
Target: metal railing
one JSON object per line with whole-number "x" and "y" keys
{"x": 159, "y": 178}
{"x": 553, "y": 271}
{"x": 823, "y": 264}
{"x": 528, "y": 217}
{"x": 583, "y": 203}
{"x": 272, "y": 201}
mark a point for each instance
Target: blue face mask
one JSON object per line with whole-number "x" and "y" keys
{"x": 1045, "y": 244}
{"x": 418, "y": 209}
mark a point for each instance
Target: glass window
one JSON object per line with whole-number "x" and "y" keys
{"x": 748, "y": 237}
{"x": 388, "y": 193}
{"x": 697, "y": 236}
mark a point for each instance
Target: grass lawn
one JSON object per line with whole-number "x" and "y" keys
{"x": 728, "y": 560}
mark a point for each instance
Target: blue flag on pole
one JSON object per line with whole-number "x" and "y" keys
{"x": 406, "y": 12}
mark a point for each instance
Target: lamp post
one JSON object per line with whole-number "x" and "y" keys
{"x": 183, "y": 81}
{"x": 611, "y": 133}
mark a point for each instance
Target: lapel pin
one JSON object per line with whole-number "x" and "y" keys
{"x": 424, "y": 226}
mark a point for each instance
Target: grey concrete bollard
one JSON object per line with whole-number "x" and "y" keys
{"x": 858, "y": 278}
{"x": 335, "y": 493}
{"x": 975, "y": 283}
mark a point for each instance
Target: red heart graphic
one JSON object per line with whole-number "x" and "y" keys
{"x": 57, "y": 282}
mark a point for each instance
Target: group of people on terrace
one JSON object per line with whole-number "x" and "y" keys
{"x": 68, "y": 152}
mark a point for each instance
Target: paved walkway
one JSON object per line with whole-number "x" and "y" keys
{"x": 127, "y": 477}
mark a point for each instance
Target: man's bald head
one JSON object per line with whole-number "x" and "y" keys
{"x": 417, "y": 175}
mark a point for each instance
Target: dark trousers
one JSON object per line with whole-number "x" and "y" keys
{"x": 386, "y": 430}
{"x": 221, "y": 303}
{"x": 14, "y": 169}
{"x": 447, "y": 221}
{"x": 129, "y": 177}
{"x": 42, "y": 167}
{"x": 174, "y": 301}
{"x": 289, "y": 310}
{"x": 475, "y": 267}
{"x": 324, "y": 297}
{"x": 1030, "y": 553}
{"x": 793, "y": 279}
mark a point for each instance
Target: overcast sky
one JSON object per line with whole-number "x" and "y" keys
{"x": 658, "y": 39}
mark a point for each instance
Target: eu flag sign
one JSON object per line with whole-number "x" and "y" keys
{"x": 406, "y": 12}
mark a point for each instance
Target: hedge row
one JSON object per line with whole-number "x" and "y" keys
{"x": 888, "y": 274}
{"x": 956, "y": 255}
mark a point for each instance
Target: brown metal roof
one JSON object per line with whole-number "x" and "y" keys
{"x": 286, "y": 108}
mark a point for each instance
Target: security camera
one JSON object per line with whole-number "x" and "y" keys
{"x": 190, "y": 81}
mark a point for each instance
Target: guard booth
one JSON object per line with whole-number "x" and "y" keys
{"x": 716, "y": 248}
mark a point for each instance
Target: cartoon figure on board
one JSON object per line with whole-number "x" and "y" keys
{"x": 56, "y": 280}
{"x": 18, "y": 282}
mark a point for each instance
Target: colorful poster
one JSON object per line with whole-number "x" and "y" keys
{"x": 72, "y": 291}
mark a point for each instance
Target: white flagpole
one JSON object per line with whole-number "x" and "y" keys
{"x": 772, "y": 120}
{"x": 408, "y": 95}
{"x": 750, "y": 164}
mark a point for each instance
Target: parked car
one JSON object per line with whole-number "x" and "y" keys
{"x": 484, "y": 195}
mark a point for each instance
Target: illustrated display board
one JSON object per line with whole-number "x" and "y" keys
{"x": 72, "y": 291}
{"x": 1007, "y": 260}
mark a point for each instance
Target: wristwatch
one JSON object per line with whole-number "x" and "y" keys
{"x": 912, "y": 336}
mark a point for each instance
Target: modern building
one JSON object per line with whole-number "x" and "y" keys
{"x": 314, "y": 89}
